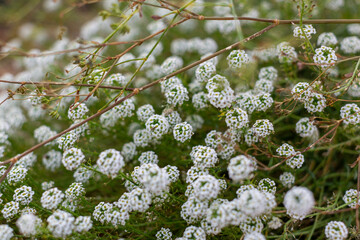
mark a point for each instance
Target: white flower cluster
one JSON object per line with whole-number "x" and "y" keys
{"x": 206, "y": 187}
{"x": 83, "y": 224}
{"x": 123, "y": 110}
{"x": 182, "y": 132}
{"x": 305, "y": 127}
{"x": 142, "y": 137}
{"x": 313, "y": 101}
{"x": 82, "y": 174}
{"x": 236, "y": 118}
{"x": 74, "y": 192}
{"x": 255, "y": 203}
{"x": 237, "y": 58}
{"x": 350, "y": 113}
{"x": 324, "y": 56}
{"x": 336, "y": 230}
{"x": 181, "y": 46}
{"x": 10, "y": 210}
{"x": 148, "y": 157}
{"x": 264, "y": 85}
{"x": 286, "y": 53}
{"x": 51, "y": 198}
{"x": 144, "y": 112}
{"x": 287, "y": 179}
{"x": 241, "y": 168}
{"x": 67, "y": 140}
{"x": 293, "y": 159}
{"x": 28, "y": 224}
{"x": 77, "y": 111}
{"x": 171, "y": 64}
{"x": 205, "y": 71}
{"x": 203, "y": 157}
{"x": 172, "y": 116}
{"x": 6, "y": 232}
{"x": 164, "y": 234}
{"x": 220, "y": 94}
{"x": 47, "y": 185}
{"x": 116, "y": 79}
{"x": 176, "y": 95}
{"x": 23, "y": 195}
{"x": 267, "y": 185}
{"x": 251, "y": 101}
{"x": 327, "y": 39}
{"x": 52, "y": 160}
{"x": 110, "y": 162}
{"x": 72, "y": 158}
{"x": 61, "y": 224}
{"x": 350, "y": 45}
{"x": 299, "y": 202}
{"x": 262, "y": 128}
{"x": 157, "y": 125}
{"x": 351, "y": 197}
{"x": 354, "y": 89}
{"x": 43, "y": 133}
{"x": 17, "y": 174}
{"x": 153, "y": 178}
{"x": 268, "y": 73}
{"x": 304, "y": 32}
{"x": 200, "y": 100}
{"x": 128, "y": 151}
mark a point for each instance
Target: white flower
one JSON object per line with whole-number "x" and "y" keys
{"x": 237, "y": 58}
{"x": 110, "y": 162}
{"x": 171, "y": 64}
{"x": 236, "y": 118}
{"x": 324, "y": 56}
{"x": 72, "y": 158}
{"x": 144, "y": 112}
{"x": 307, "y": 31}
{"x": 157, "y": 125}
{"x": 350, "y": 45}
{"x": 61, "y": 224}
{"x": 10, "y": 210}
{"x": 350, "y": 113}
{"x": 23, "y": 195}
{"x": 336, "y": 230}
{"x": 83, "y": 224}
{"x": 351, "y": 197}
{"x": 77, "y": 111}
{"x": 299, "y": 202}
{"x": 268, "y": 73}
{"x": 305, "y": 127}
{"x": 205, "y": 71}
{"x": 206, "y": 187}
{"x": 51, "y": 198}
{"x": 241, "y": 168}
{"x": 254, "y": 236}
{"x": 327, "y": 39}
{"x": 287, "y": 179}
{"x": 164, "y": 234}
{"x": 203, "y": 157}
{"x": 28, "y": 224}
{"x": 286, "y": 53}
{"x": 6, "y": 232}
{"x": 182, "y": 132}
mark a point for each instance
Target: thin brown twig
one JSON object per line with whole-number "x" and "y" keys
{"x": 281, "y": 22}
{"x": 66, "y": 84}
